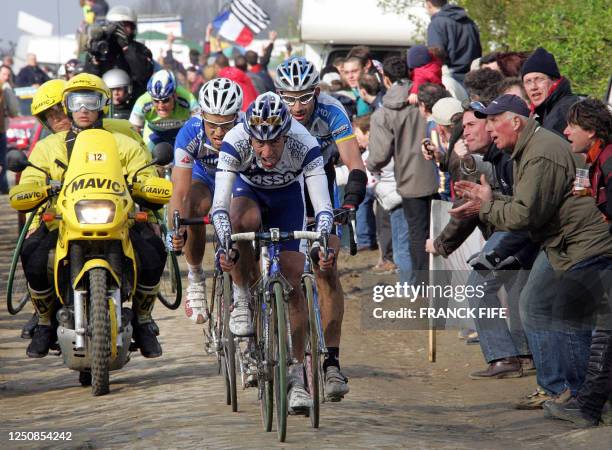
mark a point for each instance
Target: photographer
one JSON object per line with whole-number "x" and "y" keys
{"x": 113, "y": 46}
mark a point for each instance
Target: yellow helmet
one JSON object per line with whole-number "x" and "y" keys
{"x": 87, "y": 82}
{"x": 47, "y": 95}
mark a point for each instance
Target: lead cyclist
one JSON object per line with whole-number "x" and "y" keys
{"x": 160, "y": 112}
{"x": 263, "y": 165}
{"x": 297, "y": 82}
{"x": 196, "y": 153}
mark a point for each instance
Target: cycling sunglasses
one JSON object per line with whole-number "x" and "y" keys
{"x": 303, "y": 99}
{"x": 271, "y": 121}
{"x": 161, "y": 100}
{"x": 223, "y": 125}
{"x": 91, "y": 101}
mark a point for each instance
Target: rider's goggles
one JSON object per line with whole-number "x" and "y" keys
{"x": 91, "y": 101}
{"x": 271, "y": 121}
{"x": 226, "y": 126}
{"x": 304, "y": 99}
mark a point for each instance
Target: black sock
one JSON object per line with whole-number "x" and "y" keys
{"x": 332, "y": 358}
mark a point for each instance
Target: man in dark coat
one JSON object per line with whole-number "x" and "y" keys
{"x": 452, "y": 30}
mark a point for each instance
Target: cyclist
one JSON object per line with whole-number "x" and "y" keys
{"x": 193, "y": 177}
{"x": 297, "y": 82}
{"x": 267, "y": 159}
{"x": 161, "y": 112}
{"x": 85, "y": 98}
{"x": 120, "y": 84}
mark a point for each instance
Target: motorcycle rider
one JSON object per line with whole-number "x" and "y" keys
{"x": 85, "y": 99}
{"x": 118, "y": 81}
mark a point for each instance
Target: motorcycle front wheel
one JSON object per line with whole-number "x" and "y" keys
{"x": 99, "y": 324}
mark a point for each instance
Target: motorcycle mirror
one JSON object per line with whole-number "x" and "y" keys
{"x": 17, "y": 161}
{"x": 163, "y": 154}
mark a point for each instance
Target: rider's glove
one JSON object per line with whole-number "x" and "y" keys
{"x": 355, "y": 189}
{"x": 169, "y": 243}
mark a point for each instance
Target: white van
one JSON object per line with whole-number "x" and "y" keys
{"x": 329, "y": 28}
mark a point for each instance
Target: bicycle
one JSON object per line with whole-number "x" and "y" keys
{"x": 170, "y": 286}
{"x": 316, "y": 350}
{"x": 218, "y": 337}
{"x": 273, "y": 331}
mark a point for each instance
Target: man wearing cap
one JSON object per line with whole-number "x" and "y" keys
{"x": 573, "y": 235}
{"x": 550, "y": 94}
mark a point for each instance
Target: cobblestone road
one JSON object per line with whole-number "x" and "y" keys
{"x": 398, "y": 399}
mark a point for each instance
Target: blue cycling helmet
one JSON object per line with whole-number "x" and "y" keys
{"x": 162, "y": 84}
{"x": 296, "y": 74}
{"x": 267, "y": 117}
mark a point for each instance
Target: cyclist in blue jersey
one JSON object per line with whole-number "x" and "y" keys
{"x": 297, "y": 83}
{"x": 263, "y": 165}
{"x": 196, "y": 152}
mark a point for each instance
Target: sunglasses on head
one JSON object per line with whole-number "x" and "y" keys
{"x": 271, "y": 121}
{"x": 161, "y": 100}
{"x": 304, "y": 99}
{"x": 468, "y": 105}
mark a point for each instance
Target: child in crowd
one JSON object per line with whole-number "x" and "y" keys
{"x": 424, "y": 68}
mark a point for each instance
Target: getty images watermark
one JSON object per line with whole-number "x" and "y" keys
{"x": 412, "y": 293}
{"x": 449, "y": 301}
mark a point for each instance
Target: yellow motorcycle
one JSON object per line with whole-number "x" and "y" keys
{"x": 94, "y": 265}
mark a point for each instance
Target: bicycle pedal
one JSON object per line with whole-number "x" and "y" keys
{"x": 298, "y": 411}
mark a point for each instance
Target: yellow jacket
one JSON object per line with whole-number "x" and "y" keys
{"x": 49, "y": 151}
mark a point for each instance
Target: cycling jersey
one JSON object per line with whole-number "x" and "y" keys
{"x": 330, "y": 124}
{"x": 278, "y": 189}
{"x": 193, "y": 150}
{"x": 145, "y": 116}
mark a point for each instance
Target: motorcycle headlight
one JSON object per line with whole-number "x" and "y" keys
{"x": 95, "y": 211}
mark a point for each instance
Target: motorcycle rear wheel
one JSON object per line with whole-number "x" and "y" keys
{"x": 99, "y": 325}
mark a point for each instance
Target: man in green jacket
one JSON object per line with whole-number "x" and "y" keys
{"x": 573, "y": 234}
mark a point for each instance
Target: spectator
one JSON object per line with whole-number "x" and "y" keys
{"x": 194, "y": 60}
{"x": 9, "y": 107}
{"x": 512, "y": 85}
{"x": 397, "y": 130}
{"x": 6, "y": 76}
{"x": 331, "y": 81}
{"x": 424, "y": 68}
{"x": 508, "y": 63}
{"x": 224, "y": 70}
{"x": 589, "y": 131}
{"x": 169, "y": 62}
{"x": 543, "y": 204}
{"x": 352, "y": 69}
{"x": 481, "y": 84}
{"x": 370, "y": 65}
{"x": 259, "y": 66}
{"x": 240, "y": 62}
{"x": 32, "y": 74}
{"x": 550, "y": 94}
{"x": 452, "y": 30}
{"x": 371, "y": 91}
{"x": 453, "y": 86}
{"x": 195, "y": 80}
{"x": 125, "y": 52}
{"x": 8, "y": 62}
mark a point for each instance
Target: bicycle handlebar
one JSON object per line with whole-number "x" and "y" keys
{"x": 282, "y": 236}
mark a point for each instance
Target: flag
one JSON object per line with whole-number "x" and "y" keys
{"x": 241, "y": 22}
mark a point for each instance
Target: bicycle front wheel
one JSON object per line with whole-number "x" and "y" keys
{"x": 266, "y": 344}
{"x": 229, "y": 345}
{"x": 280, "y": 370}
{"x": 311, "y": 359}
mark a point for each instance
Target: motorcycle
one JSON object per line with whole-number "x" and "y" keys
{"x": 94, "y": 265}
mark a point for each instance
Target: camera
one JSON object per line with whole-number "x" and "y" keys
{"x": 102, "y": 37}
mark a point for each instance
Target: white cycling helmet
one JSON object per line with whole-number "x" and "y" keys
{"x": 296, "y": 74}
{"x": 121, "y": 13}
{"x": 117, "y": 78}
{"x": 220, "y": 96}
